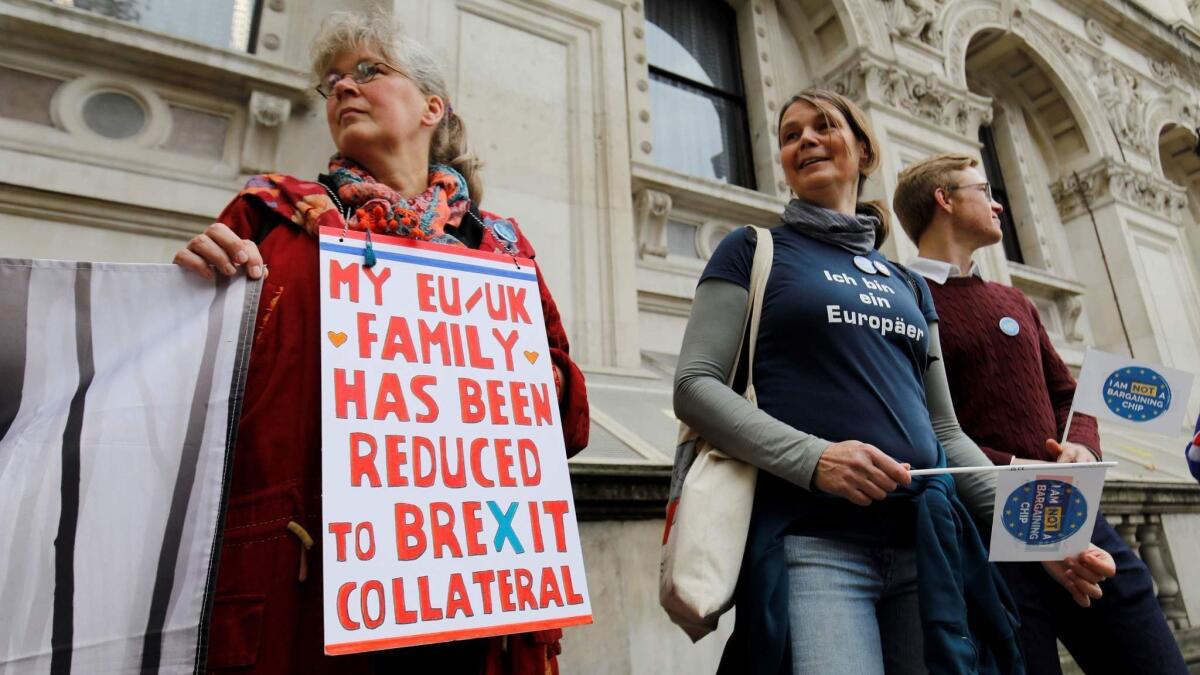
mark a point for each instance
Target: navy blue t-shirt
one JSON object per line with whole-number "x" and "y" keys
{"x": 841, "y": 353}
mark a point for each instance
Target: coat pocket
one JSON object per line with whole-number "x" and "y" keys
{"x": 257, "y": 585}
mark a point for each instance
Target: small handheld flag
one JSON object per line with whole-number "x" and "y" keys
{"x": 1134, "y": 393}
{"x": 1045, "y": 511}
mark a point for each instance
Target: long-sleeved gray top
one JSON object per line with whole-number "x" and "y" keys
{"x": 722, "y": 416}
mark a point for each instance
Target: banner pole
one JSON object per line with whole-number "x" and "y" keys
{"x": 1007, "y": 467}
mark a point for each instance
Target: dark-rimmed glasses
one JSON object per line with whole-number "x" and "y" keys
{"x": 364, "y": 72}
{"x": 985, "y": 187}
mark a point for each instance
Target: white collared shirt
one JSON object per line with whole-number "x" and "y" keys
{"x": 938, "y": 271}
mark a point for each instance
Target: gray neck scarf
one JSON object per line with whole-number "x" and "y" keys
{"x": 854, "y": 233}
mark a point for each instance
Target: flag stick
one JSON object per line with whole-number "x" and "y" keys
{"x": 1067, "y": 427}
{"x": 1007, "y": 467}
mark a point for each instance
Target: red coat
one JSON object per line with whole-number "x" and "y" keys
{"x": 266, "y": 616}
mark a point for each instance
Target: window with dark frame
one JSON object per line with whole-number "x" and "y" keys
{"x": 698, "y": 102}
{"x": 991, "y": 169}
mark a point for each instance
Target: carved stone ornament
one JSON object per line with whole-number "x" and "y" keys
{"x": 1094, "y": 30}
{"x": 1120, "y": 182}
{"x": 928, "y": 97}
{"x": 651, "y": 210}
{"x": 916, "y": 20}
{"x": 1164, "y": 71}
{"x": 269, "y": 110}
{"x": 923, "y": 95}
{"x": 1124, "y": 101}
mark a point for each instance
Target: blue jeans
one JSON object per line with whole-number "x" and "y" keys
{"x": 853, "y": 608}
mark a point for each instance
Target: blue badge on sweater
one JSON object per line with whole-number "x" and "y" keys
{"x": 1137, "y": 394}
{"x": 1009, "y": 326}
{"x": 1044, "y": 511}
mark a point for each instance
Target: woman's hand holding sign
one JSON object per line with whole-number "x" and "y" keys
{"x": 859, "y": 472}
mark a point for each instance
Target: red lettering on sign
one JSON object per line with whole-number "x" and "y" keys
{"x": 525, "y": 599}
{"x": 343, "y": 609}
{"x": 369, "y": 588}
{"x": 505, "y": 588}
{"x": 397, "y": 341}
{"x": 531, "y": 463}
{"x": 343, "y": 276}
{"x": 403, "y": 614}
{"x": 377, "y": 276}
{"x": 573, "y": 598}
{"x": 363, "y": 464}
{"x": 395, "y": 459}
{"x": 457, "y": 601}
{"x": 557, "y": 509}
{"x": 428, "y": 611}
{"x": 535, "y": 523}
{"x": 366, "y": 338}
{"x": 441, "y": 517}
{"x": 339, "y": 532}
{"x": 390, "y": 400}
{"x": 410, "y": 535}
{"x": 550, "y": 592}
{"x": 473, "y": 525}
{"x": 420, "y": 385}
{"x": 504, "y": 463}
{"x": 345, "y": 394}
{"x": 484, "y": 579}
{"x": 425, "y": 293}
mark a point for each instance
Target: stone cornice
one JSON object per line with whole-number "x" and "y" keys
{"x": 1110, "y": 180}
{"x": 1141, "y": 29}
{"x": 41, "y": 26}
{"x": 922, "y": 95}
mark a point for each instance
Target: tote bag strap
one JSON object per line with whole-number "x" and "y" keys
{"x": 764, "y": 255}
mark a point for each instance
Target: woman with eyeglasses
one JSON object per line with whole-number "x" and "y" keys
{"x": 403, "y": 168}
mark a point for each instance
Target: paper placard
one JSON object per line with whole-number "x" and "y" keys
{"x": 447, "y": 501}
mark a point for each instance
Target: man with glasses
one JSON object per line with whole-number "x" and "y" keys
{"x": 1012, "y": 393}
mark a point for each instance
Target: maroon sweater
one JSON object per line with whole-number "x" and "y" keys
{"x": 1011, "y": 393}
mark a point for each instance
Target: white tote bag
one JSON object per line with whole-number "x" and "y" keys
{"x": 708, "y": 515}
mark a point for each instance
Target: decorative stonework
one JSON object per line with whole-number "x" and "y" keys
{"x": 1124, "y": 100}
{"x": 916, "y": 20}
{"x": 269, "y": 110}
{"x": 925, "y": 96}
{"x": 1094, "y": 30}
{"x": 651, "y": 210}
{"x": 1120, "y": 182}
{"x": 1122, "y": 94}
{"x": 1164, "y": 71}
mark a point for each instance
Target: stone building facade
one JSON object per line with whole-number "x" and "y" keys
{"x": 628, "y": 137}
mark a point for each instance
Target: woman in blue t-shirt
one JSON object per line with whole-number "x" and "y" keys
{"x": 851, "y": 395}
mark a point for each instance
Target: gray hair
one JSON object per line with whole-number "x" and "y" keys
{"x": 379, "y": 31}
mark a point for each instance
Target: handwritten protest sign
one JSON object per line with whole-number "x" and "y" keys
{"x": 1045, "y": 511}
{"x": 447, "y": 501}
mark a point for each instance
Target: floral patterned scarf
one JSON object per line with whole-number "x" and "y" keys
{"x": 375, "y": 207}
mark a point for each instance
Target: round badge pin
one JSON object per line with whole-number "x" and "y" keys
{"x": 504, "y": 230}
{"x": 883, "y": 269}
{"x": 864, "y": 264}
{"x": 1009, "y": 326}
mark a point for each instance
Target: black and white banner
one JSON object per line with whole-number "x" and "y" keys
{"x": 120, "y": 389}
